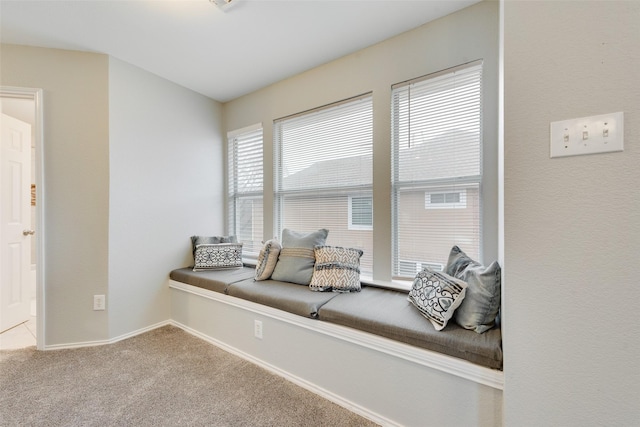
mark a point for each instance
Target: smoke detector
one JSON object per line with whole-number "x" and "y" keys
{"x": 224, "y": 4}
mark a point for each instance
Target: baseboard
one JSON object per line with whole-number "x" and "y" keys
{"x": 109, "y": 341}
{"x": 332, "y": 397}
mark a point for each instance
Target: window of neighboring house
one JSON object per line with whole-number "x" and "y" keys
{"x": 323, "y": 174}
{"x": 445, "y": 200}
{"x": 411, "y": 268}
{"x": 436, "y": 167}
{"x": 360, "y": 213}
{"x": 244, "y": 188}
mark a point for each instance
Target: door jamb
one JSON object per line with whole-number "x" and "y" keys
{"x": 36, "y": 96}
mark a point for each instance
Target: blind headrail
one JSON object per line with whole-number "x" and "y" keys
{"x": 437, "y": 73}
{"x": 324, "y": 107}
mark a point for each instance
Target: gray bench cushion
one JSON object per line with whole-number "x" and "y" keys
{"x": 388, "y": 313}
{"x": 296, "y": 299}
{"x": 213, "y": 280}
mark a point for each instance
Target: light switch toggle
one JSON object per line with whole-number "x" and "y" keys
{"x": 587, "y": 135}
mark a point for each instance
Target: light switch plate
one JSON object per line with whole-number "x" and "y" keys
{"x": 587, "y": 135}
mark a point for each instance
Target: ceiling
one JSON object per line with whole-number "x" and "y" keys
{"x": 220, "y": 54}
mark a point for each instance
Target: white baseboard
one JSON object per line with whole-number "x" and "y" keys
{"x": 109, "y": 341}
{"x": 338, "y": 400}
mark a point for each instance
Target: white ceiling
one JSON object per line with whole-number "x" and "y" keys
{"x": 221, "y": 54}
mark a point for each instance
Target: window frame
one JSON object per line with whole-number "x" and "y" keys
{"x": 252, "y": 248}
{"x": 347, "y": 190}
{"x": 353, "y": 226}
{"x": 438, "y": 185}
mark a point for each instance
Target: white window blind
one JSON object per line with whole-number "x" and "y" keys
{"x": 437, "y": 166}
{"x": 323, "y": 162}
{"x": 245, "y": 185}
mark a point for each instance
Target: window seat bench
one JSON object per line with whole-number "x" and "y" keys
{"x": 375, "y": 310}
{"x": 370, "y": 352}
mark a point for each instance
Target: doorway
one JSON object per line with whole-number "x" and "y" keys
{"x": 24, "y": 105}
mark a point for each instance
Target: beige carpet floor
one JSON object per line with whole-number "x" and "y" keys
{"x": 165, "y": 377}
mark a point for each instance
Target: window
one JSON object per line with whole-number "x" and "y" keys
{"x": 360, "y": 213}
{"x": 444, "y": 200}
{"x": 244, "y": 186}
{"x": 323, "y": 174}
{"x": 411, "y": 268}
{"x": 436, "y": 167}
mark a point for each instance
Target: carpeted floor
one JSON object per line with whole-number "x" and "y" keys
{"x": 165, "y": 377}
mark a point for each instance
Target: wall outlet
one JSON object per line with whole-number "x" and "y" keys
{"x": 99, "y": 302}
{"x": 257, "y": 329}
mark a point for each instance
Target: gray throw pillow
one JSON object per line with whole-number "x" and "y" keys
{"x": 481, "y": 304}
{"x": 296, "y": 260}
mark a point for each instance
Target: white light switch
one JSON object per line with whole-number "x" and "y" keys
{"x": 587, "y": 135}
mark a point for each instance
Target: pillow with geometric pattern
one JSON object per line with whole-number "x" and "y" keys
{"x": 217, "y": 256}
{"x": 437, "y": 295}
{"x": 336, "y": 269}
{"x": 210, "y": 240}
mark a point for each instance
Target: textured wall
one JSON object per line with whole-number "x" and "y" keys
{"x": 167, "y": 184}
{"x": 76, "y": 176}
{"x": 572, "y": 225}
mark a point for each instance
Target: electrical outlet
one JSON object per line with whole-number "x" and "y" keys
{"x": 99, "y": 302}
{"x": 257, "y": 329}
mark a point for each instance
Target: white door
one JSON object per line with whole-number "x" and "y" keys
{"x": 15, "y": 222}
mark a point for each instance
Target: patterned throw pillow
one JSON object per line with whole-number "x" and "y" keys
{"x": 267, "y": 259}
{"x": 217, "y": 256}
{"x": 480, "y": 308}
{"x": 296, "y": 259}
{"x": 336, "y": 269}
{"x": 199, "y": 240}
{"x": 437, "y": 295}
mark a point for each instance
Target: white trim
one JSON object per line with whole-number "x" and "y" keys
{"x": 109, "y": 341}
{"x": 251, "y": 128}
{"x": 35, "y": 94}
{"x": 347, "y": 404}
{"x": 451, "y": 365}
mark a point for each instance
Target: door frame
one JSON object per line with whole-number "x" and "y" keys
{"x": 38, "y": 135}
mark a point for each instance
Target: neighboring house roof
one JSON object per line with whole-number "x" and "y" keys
{"x": 432, "y": 158}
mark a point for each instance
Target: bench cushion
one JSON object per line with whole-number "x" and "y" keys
{"x": 285, "y": 296}
{"x": 213, "y": 280}
{"x": 388, "y": 313}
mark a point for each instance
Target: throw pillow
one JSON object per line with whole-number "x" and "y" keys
{"x": 437, "y": 296}
{"x": 217, "y": 256}
{"x": 296, "y": 259}
{"x": 336, "y": 269}
{"x": 267, "y": 259}
{"x": 481, "y": 305}
{"x": 210, "y": 240}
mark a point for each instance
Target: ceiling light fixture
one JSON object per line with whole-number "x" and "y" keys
{"x": 224, "y": 4}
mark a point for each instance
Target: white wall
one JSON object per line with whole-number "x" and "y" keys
{"x": 166, "y": 184}
{"x": 572, "y": 225}
{"x": 76, "y": 163}
{"x": 464, "y": 36}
